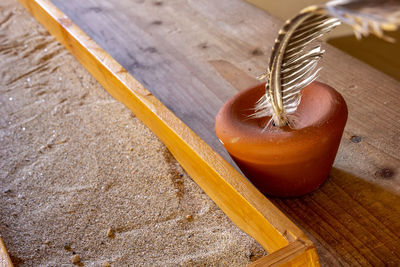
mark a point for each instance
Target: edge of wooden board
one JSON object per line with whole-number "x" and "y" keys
{"x": 296, "y": 254}
{"x": 5, "y": 260}
{"x": 251, "y": 211}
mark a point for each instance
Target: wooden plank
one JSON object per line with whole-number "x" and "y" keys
{"x": 193, "y": 53}
{"x": 352, "y": 222}
{"x": 243, "y": 204}
{"x": 5, "y": 260}
{"x": 191, "y": 36}
{"x": 182, "y": 51}
{"x": 382, "y": 55}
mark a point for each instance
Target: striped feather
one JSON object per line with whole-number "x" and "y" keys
{"x": 297, "y": 50}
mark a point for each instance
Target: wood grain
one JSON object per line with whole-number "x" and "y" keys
{"x": 295, "y": 254}
{"x": 172, "y": 49}
{"x": 5, "y": 260}
{"x": 241, "y": 202}
{"x": 374, "y": 51}
{"x": 189, "y": 54}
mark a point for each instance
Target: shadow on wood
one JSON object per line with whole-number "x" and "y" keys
{"x": 374, "y": 51}
{"x": 351, "y": 221}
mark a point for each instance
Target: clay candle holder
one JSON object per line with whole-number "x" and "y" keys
{"x": 286, "y": 161}
{"x": 293, "y": 155}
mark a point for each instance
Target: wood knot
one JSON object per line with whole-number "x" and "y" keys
{"x": 203, "y": 45}
{"x": 257, "y": 52}
{"x": 356, "y": 139}
{"x": 150, "y": 50}
{"x": 157, "y": 22}
{"x": 95, "y": 9}
{"x": 385, "y": 173}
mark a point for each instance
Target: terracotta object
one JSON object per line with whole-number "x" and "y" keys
{"x": 284, "y": 161}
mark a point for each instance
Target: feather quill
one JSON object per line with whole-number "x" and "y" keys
{"x": 297, "y": 50}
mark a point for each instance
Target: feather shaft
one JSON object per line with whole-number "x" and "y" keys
{"x": 294, "y": 57}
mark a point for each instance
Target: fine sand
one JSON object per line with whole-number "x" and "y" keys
{"x": 82, "y": 180}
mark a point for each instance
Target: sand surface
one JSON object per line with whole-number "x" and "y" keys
{"x": 82, "y": 179}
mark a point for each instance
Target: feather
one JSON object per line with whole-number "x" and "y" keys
{"x": 297, "y": 50}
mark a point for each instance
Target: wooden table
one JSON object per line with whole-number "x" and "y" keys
{"x": 193, "y": 55}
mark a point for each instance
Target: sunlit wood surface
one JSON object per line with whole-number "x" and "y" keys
{"x": 381, "y": 55}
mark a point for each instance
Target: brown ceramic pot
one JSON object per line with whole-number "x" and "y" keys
{"x": 288, "y": 161}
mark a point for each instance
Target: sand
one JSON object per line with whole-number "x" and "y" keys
{"x": 82, "y": 180}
